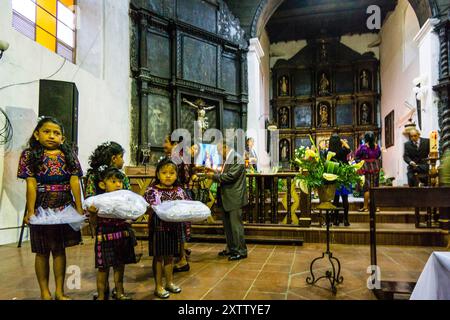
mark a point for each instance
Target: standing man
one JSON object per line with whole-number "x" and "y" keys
{"x": 415, "y": 155}
{"x": 232, "y": 196}
{"x": 251, "y": 155}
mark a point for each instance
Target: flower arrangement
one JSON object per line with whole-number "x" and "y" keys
{"x": 317, "y": 170}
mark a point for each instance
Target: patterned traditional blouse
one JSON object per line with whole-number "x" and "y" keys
{"x": 53, "y": 178}
{"x": 154, "y": 196}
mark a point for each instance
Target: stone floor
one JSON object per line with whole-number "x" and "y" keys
{"x": 272, "y": 272}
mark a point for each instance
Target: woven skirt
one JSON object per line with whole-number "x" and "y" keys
{"x": 114, "y": 244}
{"x": 164, "y": 238}
{"x": 53, "y": 238}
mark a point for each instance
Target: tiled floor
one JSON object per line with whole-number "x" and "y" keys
{"x": 272, "y": 272}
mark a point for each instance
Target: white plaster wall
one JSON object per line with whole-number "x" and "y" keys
{"x": 101, "y": 74}
{"x": 399, "y": 66}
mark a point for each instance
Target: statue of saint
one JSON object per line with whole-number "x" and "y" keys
{"x": 201, "y": 108}
{"x": 324, "y": 85}
{"x": 364, "y": 80}
{"x": 284, "y": 86}
{"x": 364, "y": 113}
{"x": 284, "y": 117}
{"x": 323, "y": 115}
{"x": 284, "y": 150}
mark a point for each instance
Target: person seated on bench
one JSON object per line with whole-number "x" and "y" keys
{"x": 415, "y": 155}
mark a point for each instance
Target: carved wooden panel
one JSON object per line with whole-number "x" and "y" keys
{"x": 230, "y": 79}
{"x": 302, "y": 141}
{"x": 160, "y": 119}
{"x": 344, "y": 113}
{"x": 302, "y": 82}
{"x": 231, "y": 119}
{"x": 303, "y": 116}
{"x": 198, "y": 13}
{"x": 199, "y": 60}
{"x": 162, "y": 7}
{"x": 158, "y": 55}
{"x": 344, "y": 81}
{"x": 188, "y": 118}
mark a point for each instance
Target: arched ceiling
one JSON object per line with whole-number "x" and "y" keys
{"x": 254, "y": 14}
{"x": 305, "y": 19}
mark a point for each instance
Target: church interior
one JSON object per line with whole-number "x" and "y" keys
{"x": 291, "y": 75}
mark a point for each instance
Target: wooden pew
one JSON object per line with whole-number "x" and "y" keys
{"x": 401, "y": 197}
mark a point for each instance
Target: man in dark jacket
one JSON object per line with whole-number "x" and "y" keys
{"x": 415, "y": 155}
{"x": 232, "y": 196}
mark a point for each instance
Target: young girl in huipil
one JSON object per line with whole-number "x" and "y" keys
{"x": 164, "y": 237}
{"x": 108, "y": 154}
{"x": 115, "y": 241}
{"x": 51, "y": 170}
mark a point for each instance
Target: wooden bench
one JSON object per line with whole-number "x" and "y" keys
{"x": 437, "y": 197}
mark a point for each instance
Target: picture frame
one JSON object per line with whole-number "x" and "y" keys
{"x": 389, "y": 129}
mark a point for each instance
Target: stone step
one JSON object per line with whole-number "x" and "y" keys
{"x": 356, "y": 233}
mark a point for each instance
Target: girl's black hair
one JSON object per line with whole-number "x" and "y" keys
{"x": 163, "y": 162}
{"x": 101, "y": 157}
{"x": 335, "y": 144}
{"x": 105, "y": 173}
{"x": 103, "y": 154}
{"x": 369, "y": 138}
{"x": 37, "y": 149}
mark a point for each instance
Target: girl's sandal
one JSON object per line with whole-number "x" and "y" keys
{"x": 173, "y": 288}
{"x": 63, "y": 298}
{"x": 363, "y": 210}
{"x": 162, "y": 295}
{"x": 123, "y": 297}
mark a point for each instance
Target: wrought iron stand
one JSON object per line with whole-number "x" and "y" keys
{"x": 332, "y": 275}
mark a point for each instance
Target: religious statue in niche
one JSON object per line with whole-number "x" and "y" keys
{"x": 284, "y": 150}
{"x": 365, "y": 80}
{"x": 365, "y": 113}
{"x": 284, "y": 86}
{"x": 284, "y": 118}
{"x": 323, "y": 115}
{"x": 324, "y": 85}
{"x": 201, "y": 108}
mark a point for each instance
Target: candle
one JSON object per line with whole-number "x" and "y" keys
{"x": 433, "y": 143}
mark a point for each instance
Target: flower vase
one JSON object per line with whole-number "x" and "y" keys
{"x": 326, "y": 196}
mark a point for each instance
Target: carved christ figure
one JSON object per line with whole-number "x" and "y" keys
{"x": 201, "y": 108}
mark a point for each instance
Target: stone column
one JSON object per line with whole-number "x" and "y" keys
{"x": 255, "y": 109}
{"x": 428, "y": 43}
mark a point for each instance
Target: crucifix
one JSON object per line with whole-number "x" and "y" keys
{"x": 201, "y": 108}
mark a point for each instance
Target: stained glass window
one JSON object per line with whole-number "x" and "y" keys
{"x": 51, "y": 23}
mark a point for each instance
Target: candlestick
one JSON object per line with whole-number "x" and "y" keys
{"x": 434, "y": 153}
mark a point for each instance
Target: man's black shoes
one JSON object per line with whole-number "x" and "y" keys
{"x": 237, "y": 257}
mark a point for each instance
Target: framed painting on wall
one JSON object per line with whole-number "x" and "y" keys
{"x": 389, "y": 129}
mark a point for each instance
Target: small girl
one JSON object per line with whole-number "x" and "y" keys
{"x": 164, "y": 237}
{"x": 114, "y": 242}
{"x": 51, "y": 170}
{"x": 108, "y": 154}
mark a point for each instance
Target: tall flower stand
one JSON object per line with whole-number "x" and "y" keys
{"x": 326, "y": 194}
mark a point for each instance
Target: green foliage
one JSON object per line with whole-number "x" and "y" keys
{"x": 316, "y": 170}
